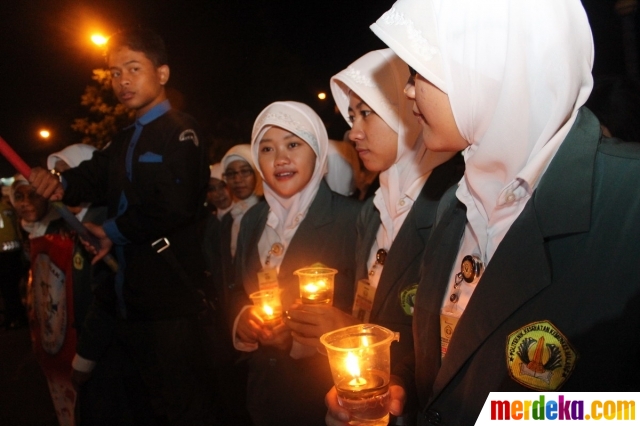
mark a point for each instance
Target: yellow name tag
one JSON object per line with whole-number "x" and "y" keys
{"x": 268, "y": 279}
{"x": 447, "y": 326}
{"x": 363, "y": 303}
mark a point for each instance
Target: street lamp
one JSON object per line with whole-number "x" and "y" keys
{"x": 98, "y": 39}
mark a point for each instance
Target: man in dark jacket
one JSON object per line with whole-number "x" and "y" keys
{"x": 153, "y": 178}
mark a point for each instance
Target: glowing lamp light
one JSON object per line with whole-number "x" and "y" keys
{"x": 322, "y": 96}
{"x": 44, "y": 134}
{"x": 98, "y": 39}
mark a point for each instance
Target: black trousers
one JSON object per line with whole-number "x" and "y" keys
{"x": 158, "y": 376}
{"x": 12, "y": 269}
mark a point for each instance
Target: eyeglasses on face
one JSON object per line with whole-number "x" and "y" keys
{"x": 232, "y": 174}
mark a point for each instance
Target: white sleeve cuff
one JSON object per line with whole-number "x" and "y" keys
{"x": 237, "y": 343}
{"x": 82, "y": 365}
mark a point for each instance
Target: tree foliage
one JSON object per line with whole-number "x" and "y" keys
{"x": 105, "y": 114}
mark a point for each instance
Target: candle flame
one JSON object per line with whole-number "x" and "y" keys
{"x": 353, "y": 365}
{"x": 268, "y": 310}
{"x": 311, "y": 288}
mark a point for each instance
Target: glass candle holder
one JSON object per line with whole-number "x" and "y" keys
{"x": 316, "y": 284}
{"x": 359, "y": 358}
{"x": 269, "y": 306}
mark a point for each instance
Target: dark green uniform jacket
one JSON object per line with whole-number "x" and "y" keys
{"x": 566, "y": 271}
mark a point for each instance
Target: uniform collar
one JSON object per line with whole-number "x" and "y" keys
{"x": 155, "y": 112}
{"x": 558, "y": 213}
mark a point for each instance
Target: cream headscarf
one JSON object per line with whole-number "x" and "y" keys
{"x": 38, "y": 228}
{"x": 516, "y": 73}
{"x": 73, "y": 155}
{"x": 379, "y": 78}
{"x": 286, "y": 214}
{"x": 241, "y": 152}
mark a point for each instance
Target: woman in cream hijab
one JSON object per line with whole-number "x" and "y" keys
{"x": 300, "y": 222}
{"x": 518, "y": 273}
{"x": 245, "y": 187}
{"x": 394, "y": 225}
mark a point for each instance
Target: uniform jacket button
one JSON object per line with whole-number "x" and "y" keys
{"x": 433, "y": 417}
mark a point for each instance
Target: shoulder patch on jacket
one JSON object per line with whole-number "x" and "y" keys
{"x": 191, "y": 135}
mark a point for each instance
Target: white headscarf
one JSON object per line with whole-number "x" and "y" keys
{"x": 286, "y": 214}
{"x": 379, "y": 78}
{"x": 73, "y": 155}
{"x": 38, "y": 228}
{"x": 241, "y": 152}
{"x": 516, "y": 73}
{"x": 340, "y": 172}
{"x": 216, "y": 171}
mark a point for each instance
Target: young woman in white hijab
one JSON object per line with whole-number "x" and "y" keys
{"x": 518, "y": 274}
{"x": 245, "y": 187}
{"x": 35, "y": 212}
{"x": 393, "y": 226}
{"x": 300, "y": 223}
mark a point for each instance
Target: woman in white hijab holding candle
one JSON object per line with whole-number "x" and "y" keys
{"x": 393, "y": 226}
{"x": 301, "y": 222}
{"x": 518, "y": 272}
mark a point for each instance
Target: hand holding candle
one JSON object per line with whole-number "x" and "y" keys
{"x": 308, "y": 322}
{"x": 268, "y": 305}
{"x": 360, "y": 363}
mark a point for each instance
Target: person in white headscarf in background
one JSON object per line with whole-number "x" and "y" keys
{"x": 340, "y": 171}
{"x": 518, "y": 274}
{"x": 34, "y": 211}
{"x": 394, "y": 225}
{"x": 68, "y": 158}
{"x": 218, "y": 196}
{"x": 89, "y": 282}
{"x": 245, "y": 187}
{"x": 301, "y": 222}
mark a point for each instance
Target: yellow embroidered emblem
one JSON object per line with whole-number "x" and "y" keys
{"x": 540, "y": 357}
{"x": 78, "y": 261}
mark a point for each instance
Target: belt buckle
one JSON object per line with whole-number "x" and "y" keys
{"x": 160, "y": 244}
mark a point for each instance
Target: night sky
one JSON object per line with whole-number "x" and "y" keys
{"x": 228, "y": 59}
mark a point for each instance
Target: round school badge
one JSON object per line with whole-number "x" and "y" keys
{"x": 78, "y": 261}
{"x": 408, "y": 299}
{"x": 471, "y": 268}
{"x": 540, "y": 357}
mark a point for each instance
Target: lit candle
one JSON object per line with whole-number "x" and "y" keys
{"x": 316, "y": 284}
{"x": 268, "y": 310}
{"x": 269, "y": 307}
{"x": 353, "y": 367}
{"x": 360, "y": 364}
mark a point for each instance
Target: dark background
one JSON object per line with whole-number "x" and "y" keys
{"x": 228, "y": 59}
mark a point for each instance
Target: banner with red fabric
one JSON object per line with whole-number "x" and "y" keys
{"x": 51, "y": 318}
